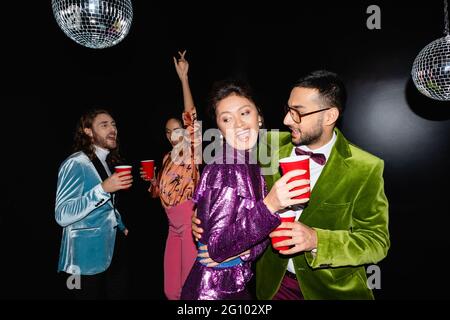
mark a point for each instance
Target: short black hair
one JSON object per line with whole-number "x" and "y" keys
{"x": 330, "y": 86}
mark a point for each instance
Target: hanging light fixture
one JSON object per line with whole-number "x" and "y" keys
{"x": 94, "y": 23}
{"x": 431, "y": 68}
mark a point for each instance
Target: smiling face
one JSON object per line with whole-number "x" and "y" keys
{"x": 174, "y": 126}
{"x": 238, "y": 120}
{"x": 103, "y": 131}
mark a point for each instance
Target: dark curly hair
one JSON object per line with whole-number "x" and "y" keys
{"x": 82, "y": 142}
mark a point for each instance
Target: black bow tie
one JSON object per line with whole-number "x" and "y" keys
{"x": 317, "y": 157}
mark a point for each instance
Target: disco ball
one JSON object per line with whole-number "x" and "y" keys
{"x": 94, "y": 23}
{"x": 431, "y": 69}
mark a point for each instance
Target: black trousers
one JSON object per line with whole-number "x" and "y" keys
{"x": 114, "y": 282}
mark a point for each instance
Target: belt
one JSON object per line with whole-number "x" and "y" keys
{"x": 290, "y": 275}
{"x": 234, "y": 262}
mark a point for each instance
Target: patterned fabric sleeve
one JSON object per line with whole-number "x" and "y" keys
{"x": 194, "y": 130}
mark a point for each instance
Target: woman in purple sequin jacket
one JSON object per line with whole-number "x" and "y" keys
{"x": 235, "y": 210}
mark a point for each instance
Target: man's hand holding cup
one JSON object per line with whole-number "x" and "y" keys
{"x": 118, "y": 181}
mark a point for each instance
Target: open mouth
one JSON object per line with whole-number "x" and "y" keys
{"x": 243, "y": 135}
{"x": 295, "y": 133}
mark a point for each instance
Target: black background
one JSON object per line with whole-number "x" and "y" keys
{"x": 48, "y": 81}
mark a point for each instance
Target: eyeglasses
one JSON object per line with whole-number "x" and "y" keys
{"x": 297, "y": 116}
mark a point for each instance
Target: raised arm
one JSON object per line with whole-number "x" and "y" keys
{"x": 193, "y": 128}
{"x": 182, "y": 67}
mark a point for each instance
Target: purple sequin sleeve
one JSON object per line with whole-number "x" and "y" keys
{"x": 234, "y": 224}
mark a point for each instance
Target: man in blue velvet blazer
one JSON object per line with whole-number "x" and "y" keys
{"x": 85, "y": 202}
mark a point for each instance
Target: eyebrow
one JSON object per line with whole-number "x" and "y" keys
{"x": 241, "y": 107}
{"x": 167, "y": 129}
{"x": 298, "y": 107}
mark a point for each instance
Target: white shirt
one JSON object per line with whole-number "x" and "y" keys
{"x": 315, "y": 170}
{"x": 101, "y": 155}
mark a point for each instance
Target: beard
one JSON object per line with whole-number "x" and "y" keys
{"x": 311, "y": 137}
{"x": 109, "y": 142}
{"x": 308, "y": 138}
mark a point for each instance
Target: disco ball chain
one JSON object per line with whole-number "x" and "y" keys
{"x": 446, "y": 31}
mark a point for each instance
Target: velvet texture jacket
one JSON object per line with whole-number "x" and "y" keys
{"x": 349, "y": 211}
{"x": 87, "y": 215}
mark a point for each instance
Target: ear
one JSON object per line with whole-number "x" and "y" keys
{"x": 88, "y": 131}
{"x": 331, "y": 116}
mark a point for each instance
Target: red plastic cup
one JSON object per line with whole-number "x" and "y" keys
{"x": 288, "y": 216}
{"x": 297, "y": 163}
{"x": 149, "y": 168}
{"x": 119, "y": 169}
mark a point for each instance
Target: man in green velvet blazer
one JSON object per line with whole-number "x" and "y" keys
{"x": 345, "y": 224}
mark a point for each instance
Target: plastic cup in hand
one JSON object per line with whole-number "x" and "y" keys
{"x": 297, "y": 163}
{"x": 288, "y": 216}
{"x": 119, "y": 169}
{"x": 149, "y": 168}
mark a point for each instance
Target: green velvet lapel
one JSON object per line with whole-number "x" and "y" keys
{"x": 334, "y": 171}
{"x": 283, "y": 150}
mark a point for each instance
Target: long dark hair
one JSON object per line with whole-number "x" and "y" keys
{"x": 82, "y": 142}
